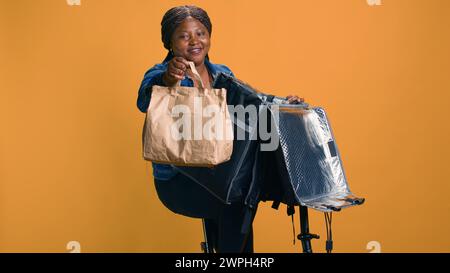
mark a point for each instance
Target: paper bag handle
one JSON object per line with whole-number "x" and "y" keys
{"x": 196, "y": 76}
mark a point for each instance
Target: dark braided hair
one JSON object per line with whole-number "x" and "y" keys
{"x": 174, "y": 17}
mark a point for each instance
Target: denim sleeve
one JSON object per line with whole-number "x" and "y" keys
{"x": 151, "y": 77}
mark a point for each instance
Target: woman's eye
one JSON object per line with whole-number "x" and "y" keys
{"x": 184, "y": 36}
{"x": 201, "y": 33}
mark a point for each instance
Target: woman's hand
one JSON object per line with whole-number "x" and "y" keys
{"x": 292, "y": 99}
{"x": 175, "y": 70}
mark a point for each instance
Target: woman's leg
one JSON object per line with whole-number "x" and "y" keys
{"x": 183, "y": 196}
{"x": 230, "y": 237}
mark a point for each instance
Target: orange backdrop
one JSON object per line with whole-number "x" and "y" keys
{"x": 70, "y": 142}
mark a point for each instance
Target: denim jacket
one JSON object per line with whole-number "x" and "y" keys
{"x": 154, "y": 77}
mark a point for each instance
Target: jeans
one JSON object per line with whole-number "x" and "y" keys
{"x": 223, "y": 222}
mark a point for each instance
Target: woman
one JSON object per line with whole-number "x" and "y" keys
{"x": 186, "y": 32}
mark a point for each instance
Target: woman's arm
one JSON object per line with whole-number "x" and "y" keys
{"x": 151, "y": 77}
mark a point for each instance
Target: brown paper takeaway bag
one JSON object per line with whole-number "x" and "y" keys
{"x": 188, "y": 126}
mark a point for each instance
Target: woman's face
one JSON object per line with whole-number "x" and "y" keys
{"x": 190, "y": 40}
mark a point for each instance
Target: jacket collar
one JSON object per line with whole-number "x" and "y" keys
{"x": 211, "y": 69}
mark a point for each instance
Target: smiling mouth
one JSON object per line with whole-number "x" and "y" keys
{"x": 195, "y": 51}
